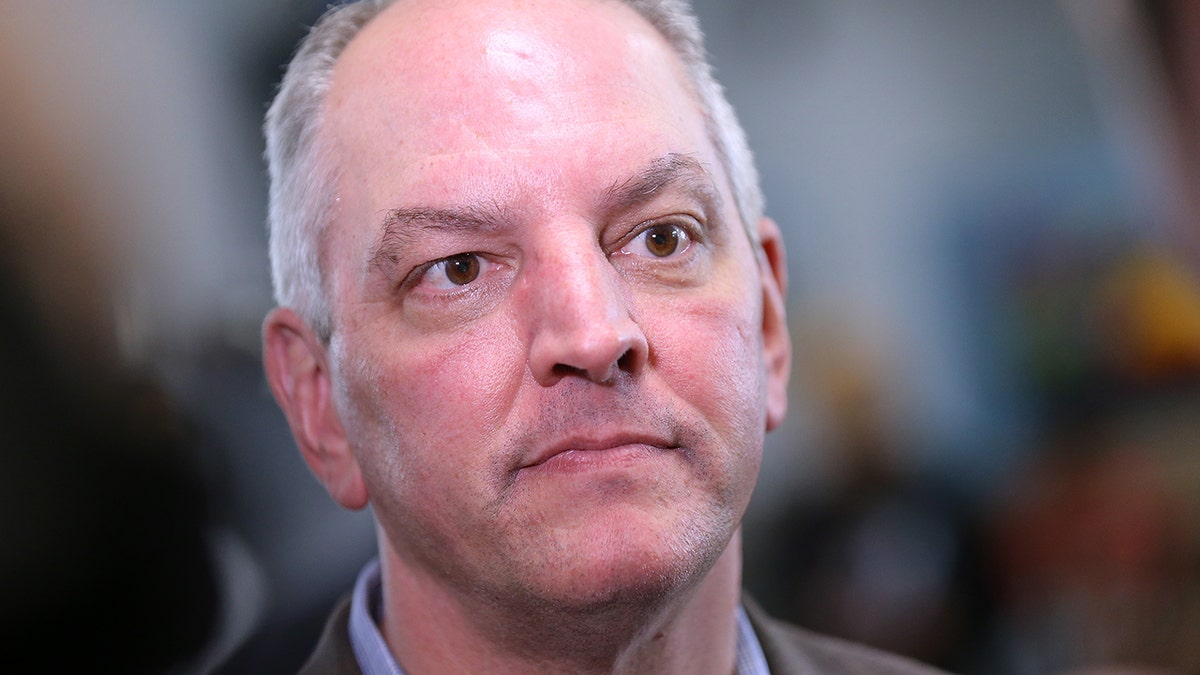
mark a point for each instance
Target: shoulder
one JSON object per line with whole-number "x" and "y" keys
{"x": 333, "y": 654}
{"x": 791, "y": 650}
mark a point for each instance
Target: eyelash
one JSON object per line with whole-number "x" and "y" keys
{"x": 483, "y": 266}
{"x": 688, "y": 229}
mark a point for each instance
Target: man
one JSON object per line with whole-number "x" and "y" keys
{"x": 531, "y": 313}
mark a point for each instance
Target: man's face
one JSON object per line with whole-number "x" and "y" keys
{"x": 548, "y": 346}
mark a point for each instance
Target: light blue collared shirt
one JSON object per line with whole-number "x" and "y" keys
{"x": 375, "y": 658}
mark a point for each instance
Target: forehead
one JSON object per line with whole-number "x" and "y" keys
{"x": 435, "y": 100}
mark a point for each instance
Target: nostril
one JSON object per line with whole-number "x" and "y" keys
{"x": 564, "y": 370}
{"x": 627, "y": 361}
{"x": 599, "y": 373}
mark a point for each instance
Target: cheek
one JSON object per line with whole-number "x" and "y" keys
{"x": 427, "y": 414}
{"x": 714, "y": 336}
{"x": 710, "y": 352}
{"x": 443, "y": 385}
{"x": 432, "y": 390}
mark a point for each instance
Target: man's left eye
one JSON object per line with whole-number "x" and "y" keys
{"x": 659, "y": 241}
{"x": 455, "y": 271}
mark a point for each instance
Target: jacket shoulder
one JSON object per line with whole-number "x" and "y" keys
{"x": 334, "y": 654}
{"x": 791, "y": 650}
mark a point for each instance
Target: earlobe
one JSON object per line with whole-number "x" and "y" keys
{"x": 298, "y": 372}
{"x": 777, "y": 343}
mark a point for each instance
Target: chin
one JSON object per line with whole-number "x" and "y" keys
{"x": 625, "y": 567}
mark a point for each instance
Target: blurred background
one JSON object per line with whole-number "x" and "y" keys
{"x": 993, "y": 217}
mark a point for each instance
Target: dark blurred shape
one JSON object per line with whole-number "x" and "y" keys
{"x": 888, "y": 557}
{"x": 105, "y": 567}
{"x": 1173, "y": 27}
{"x": 1098, "y": 556}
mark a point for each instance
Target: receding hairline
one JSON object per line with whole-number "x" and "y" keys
{"x": 325, "y": 147}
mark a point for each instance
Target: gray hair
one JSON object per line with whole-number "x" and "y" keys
{"x": 303, "y": 186}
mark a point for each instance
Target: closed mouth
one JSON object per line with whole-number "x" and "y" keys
{"x": 581, "y": 452}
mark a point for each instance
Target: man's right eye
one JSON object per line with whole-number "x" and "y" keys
{"x": 457, "y": 270}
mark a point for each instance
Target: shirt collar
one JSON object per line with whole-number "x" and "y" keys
{"x": 374, "y": 657}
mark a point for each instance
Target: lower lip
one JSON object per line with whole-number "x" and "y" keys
{"x": 573, "y": 461}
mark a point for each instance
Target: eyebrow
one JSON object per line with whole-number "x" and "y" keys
{"x": 673, "y": 169}
{"x": 402, "y": 227}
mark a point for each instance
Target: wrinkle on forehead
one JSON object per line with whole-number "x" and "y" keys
{"x": 416, "y": 44}
{"x": 521, "y": 55}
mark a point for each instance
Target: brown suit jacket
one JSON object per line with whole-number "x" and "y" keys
{"x": 789, "y": 650}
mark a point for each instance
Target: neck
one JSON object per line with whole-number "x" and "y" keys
{"x": 430, "y": 628}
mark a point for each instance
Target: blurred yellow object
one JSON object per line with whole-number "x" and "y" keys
{"x": 1153, "y": 306}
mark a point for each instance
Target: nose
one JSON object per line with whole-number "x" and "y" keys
{"x": 578, "y": 316}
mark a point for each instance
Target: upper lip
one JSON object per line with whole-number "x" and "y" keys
{"x": 585, "y": 443}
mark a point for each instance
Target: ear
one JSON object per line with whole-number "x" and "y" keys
{"x": 297, "y": 368}
{"x": 777, "y": 342}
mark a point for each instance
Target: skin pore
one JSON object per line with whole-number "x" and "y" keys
{"x": 555, "y": 350}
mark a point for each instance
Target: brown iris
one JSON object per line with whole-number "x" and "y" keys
{"x": 462, "y": 269}
{"x": 662, "y": 240}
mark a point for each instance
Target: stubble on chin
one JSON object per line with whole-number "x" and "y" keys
{"x": 595, "y": 608}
